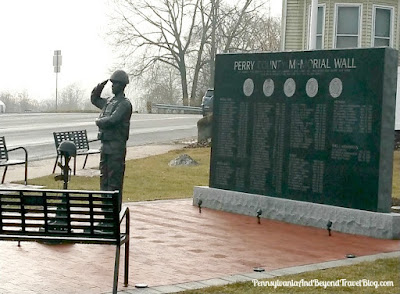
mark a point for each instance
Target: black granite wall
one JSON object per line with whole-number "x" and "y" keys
{"x": 313, "y": 126}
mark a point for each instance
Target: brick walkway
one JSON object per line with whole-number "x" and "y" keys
{"x": 173, "y": 243}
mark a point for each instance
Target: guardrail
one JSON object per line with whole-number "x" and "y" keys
{"x": 167, "y": 108}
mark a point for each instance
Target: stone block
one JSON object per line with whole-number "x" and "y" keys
{"x": 345, "y": 220}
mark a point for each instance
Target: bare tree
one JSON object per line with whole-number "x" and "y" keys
{"x": 71, "y": 97}
{"x": 247, "y": 28}
{"x": 18, "y": 102}
{"x": 162, "y": 86}
{"x": 265, "y": 34}
{"x": 207, "y": 22}
{"x": 47, "y": 105}
{"x": 269, "y": 31}
{"x": 162, "y": 28}
{"x": 8, "y": 100}
{"x": 184, "y": 35}
{"x": 25, "y": 102}
{"x": 231, "y": 23}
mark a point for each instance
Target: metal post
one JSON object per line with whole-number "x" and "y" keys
{"x": 312, "y": 44}
{"x": 116, "y": 268}
{"x": 56, "y": 88}
{"x": 57, "y": 61}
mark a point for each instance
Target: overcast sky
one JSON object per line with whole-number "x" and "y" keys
{"x": 32, "y": 29}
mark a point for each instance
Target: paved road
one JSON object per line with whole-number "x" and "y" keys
{"x": 35, "y": 130}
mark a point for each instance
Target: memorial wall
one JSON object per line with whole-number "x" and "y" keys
{"x": 313, "y": 126}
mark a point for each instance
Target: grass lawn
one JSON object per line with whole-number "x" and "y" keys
{"x": 396, "y": 179}
{"x": 149, "y": 178}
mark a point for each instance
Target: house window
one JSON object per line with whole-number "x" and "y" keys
{"x": 382, "y": 34}
{"x": 348, "y": 21}
{"x": 320, "y": 26}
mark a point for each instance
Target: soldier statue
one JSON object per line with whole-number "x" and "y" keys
{"x": 113, "y": 124}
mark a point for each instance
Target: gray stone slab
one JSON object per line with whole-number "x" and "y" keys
{"x": 359, "y": 259}
{"x": 258, "y": 276}
{"x": 235, "y": 278}
{"x": 139, "y": 291}
{"x": 191, "y": 285}
{"x": 214, "y": 282}
{"x": 330, "y": 264}
{"x": 169, "y": 289}
{"x": 389, "y": 254}
{"x": 346, "y": 220}
{"x": 291, "y": 270}
{"x": 375, "y": 257}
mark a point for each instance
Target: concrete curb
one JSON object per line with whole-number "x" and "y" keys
{"x": 247, "y": 277}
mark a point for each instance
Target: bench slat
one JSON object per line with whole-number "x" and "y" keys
{"x": 71, "y": 239}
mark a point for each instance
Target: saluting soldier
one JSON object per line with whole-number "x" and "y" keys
{"x": 113, "y": 123}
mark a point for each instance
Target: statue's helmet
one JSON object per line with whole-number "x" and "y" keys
{"x": 67, "y": 148}
{"x": 120, "y": 76}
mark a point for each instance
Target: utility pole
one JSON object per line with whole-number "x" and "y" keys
{"x": 57, "y": 61}
{"x": 312, "y": 43}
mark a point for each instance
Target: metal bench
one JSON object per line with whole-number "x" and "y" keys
{"x": 81, "y": 142}
{"x": 5, "y": 161}
{"x": 67, "y": 216}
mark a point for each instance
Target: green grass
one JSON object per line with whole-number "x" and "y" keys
{"x": 149, "y": 178}
{"x": 380, "y": 270}
{"x": 396, "y": 177}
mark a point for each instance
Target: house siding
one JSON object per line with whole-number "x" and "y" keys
{"x": 294, "y": 25}
{"x": 297, "y": 16}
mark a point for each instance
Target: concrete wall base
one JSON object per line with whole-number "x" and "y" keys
{"x": 346, "y": 220}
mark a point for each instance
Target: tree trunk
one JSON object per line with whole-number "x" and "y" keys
{"x": 199, "y": 61}
{"x": 183, "y": 74}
